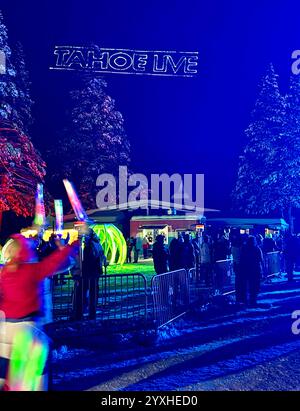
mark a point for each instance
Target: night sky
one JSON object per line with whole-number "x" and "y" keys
{"x": 174, "y": 124}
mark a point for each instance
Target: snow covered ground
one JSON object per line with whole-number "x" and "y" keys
{"x": 223, "y": 349}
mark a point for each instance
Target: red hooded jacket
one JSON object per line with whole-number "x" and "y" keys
{"x": 20, "y": 280}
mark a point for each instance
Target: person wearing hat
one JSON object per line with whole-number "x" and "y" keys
{"x": 21, "y": 306}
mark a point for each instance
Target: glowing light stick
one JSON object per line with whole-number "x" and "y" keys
{"x": 75, "y": 202}
{"x": 59, "y": 215}
{"x": 28, "y": 359}
{"x": 40, "y": 216}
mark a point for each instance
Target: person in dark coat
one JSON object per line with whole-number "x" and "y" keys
{"x": 236, "y": 247}
{"x": 136, "y": 249}
{"x": 129, "y": 250}
{"x": 187, "y": 254}
{"x": 269, "y": 245}
{"x": 206, "y": 261}
{"x": 251, "y": 263}
{"x": 175, "y": 251}
{"x": 221, "y": 247}
{"x": 87, "y": 289}
{"x": 160, "y": 255}
{"x": 291, "y": 252}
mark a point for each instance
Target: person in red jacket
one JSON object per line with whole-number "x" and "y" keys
{"x": 20, "y": 300}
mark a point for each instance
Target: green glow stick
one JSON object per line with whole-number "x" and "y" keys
{"x": 28, "y": 359}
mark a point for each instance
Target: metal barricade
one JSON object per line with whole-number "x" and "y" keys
{"x": 62, "y": 297}
{"x": 198, "y": 290}
{"x": 171, "y": 294}
{"x": 117, "y": 297}
{"x": 272, "y": 263}
{"x": 224, "y": 275}
{"x": 122, "y": 296}
{"x": 193, "y": 277}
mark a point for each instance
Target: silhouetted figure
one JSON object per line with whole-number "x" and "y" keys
{"x": 236, "y": 247}
{"x": 175, "y": 252}
{"x": 291, "y": 253}
{"x": 87, "y": 289}
{"x": 129, "y": 250}
{"x": 268, "y": 245}
{"x": 135, "y": 248}
{"x": 160, "y": 255}
{"x": 251, "y": 262}
{"x": 187, "y": 254}
{"x": 206, "y": 261}
{"x": 221, "y": 247}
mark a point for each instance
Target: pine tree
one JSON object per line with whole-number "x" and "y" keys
{"x": 260, "y": 183}
{"x": 23, "y": 102}
{"x": 21, "y": 166}
{"x": 94, "y": 141}
{"x": 8, "y": 88}
{"x": 290, "y": 154}
{"x": 21, "y": 169}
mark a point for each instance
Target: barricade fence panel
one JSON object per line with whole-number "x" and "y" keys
{"x": 193, "y": 275}
{"x": 200, "y": 292}
{"x": 109, "y": 297}
{"x": 62, "y": 297}
{"x": 122, "y": 296}
{"x": 171, "y": 296}
{"x": 224, "y": 275}
{"x": 127, "y": 297}
{"x": 272, "y": 263}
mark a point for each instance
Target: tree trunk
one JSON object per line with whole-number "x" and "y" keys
{"x": 291, "y": 220}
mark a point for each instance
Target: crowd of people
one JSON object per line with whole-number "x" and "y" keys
{"x": 136, "y": 245}
{"x": 204, "y": 250}
{"x": 24, "y": 279}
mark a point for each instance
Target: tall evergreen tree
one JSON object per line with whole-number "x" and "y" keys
{"x": 290, "y": 153}
{"x": 259, "y": 186}
{"x": 8, "y": 88}
{"x": 23, "y": 102}
{"x": 21, "y": 166}
{"x": 21, "y": 169}
{"x": 93, "y": 142}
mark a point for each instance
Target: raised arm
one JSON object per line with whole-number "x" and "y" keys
{"x": 56, "y": 261}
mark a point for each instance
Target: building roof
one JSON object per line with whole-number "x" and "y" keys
{"x": 250, "y": 222}
{"x": 193, "y": 217}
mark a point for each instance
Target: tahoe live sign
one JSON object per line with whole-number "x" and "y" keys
{"x": 125, "y": 61}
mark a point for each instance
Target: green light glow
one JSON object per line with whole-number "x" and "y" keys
{"x": 112, "y": 241}
{"x": 28, "y": 358}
